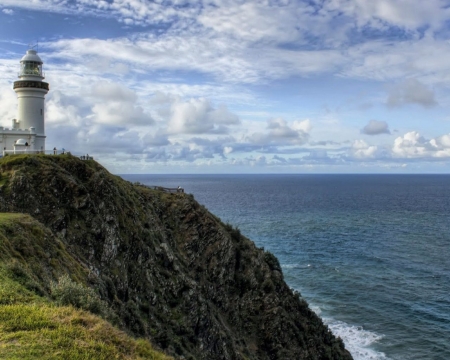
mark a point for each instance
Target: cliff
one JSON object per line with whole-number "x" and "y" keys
{"x": 166, "y": 269}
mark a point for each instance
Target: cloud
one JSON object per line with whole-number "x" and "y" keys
{"x": 383, "y": 14}
{"x": 375, "y": 127}
{"x": 189, "y": 150}
{"x": 410, "y": 145}
{"x": 411, "y": 91}
{"x": 198, "y": 116}
{"x": 280, "y": 159}
{"x": 8, "y": 11}
{"x": 224, "y": 57}
{"x": 258, "y": 20}
{"x": 158, "y": 138}
{"x": 93, "y": 139}
{"x": 295, "y": 40}
{"x": 319, "y": 155}
{"x": 8, "y": 106}
{"x": 413, "y": 145}
{"x": 255, "y": 20}
{"x": 158, "y": 154}
{"x": 361, "y": 150}
{"x": 117, "y": 105}
{"x": 106, "y": 139}
{"x": 171, "y": 75}
{"x": 62, "y": 110}
{"x": 441, "y": 146}
{"x": 281, "y": 133}
{"x": 397, "y": 58}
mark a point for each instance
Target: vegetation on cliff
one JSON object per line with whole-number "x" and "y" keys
{"x": 32, "y": 325}
{"x": 162, "y": 266}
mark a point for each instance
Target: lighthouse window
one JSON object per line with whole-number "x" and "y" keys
{"x": 31, "y": 68}
{"x": 42, "y": 113}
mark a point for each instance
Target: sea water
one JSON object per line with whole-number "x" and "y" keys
{"x": 370, "y": 253}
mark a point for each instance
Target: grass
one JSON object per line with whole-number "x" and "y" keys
{"x": 7, "y": 218}
{"x": 45, "y": 331}
{"x": 32, "y": 325}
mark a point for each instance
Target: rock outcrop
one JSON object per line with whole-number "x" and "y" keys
{"x": 170, "y": 270}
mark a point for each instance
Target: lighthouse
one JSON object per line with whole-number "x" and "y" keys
{"x": 28, "y": 129}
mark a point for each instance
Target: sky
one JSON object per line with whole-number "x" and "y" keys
{"x": 273, "y": 86}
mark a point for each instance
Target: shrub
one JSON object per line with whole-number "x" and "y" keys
{"x": 272, "y": 261}
{"x": 234, "y": 232}
{"x": 19, "y": 273}
{"x": 68, "y": 292}
{"x": 268, "y": 286}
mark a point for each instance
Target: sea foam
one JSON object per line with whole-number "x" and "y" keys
{"x": 357, "y": 340}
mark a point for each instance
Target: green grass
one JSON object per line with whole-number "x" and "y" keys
{"x": 32, "y": 325}
{"x": 45, "y": 331}
{"x": 7, "y": 218}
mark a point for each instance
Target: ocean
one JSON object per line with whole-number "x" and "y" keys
{"x": 369, "y": 253}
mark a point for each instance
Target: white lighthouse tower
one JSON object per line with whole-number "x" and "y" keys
{"x": 28, "y": 130}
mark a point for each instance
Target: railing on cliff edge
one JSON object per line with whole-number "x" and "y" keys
{"x": 168, "y": 190}
{"x": 46, "y": 152}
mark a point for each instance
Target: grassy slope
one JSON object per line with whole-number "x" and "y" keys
{"x": 31, "y": 325}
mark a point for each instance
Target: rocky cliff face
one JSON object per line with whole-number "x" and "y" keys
{"x": 169, "y": 269}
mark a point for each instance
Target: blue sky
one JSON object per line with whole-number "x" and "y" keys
{"x": 318, "y": 86}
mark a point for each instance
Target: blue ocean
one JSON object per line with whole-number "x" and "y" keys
{"x": 370, "y": 253}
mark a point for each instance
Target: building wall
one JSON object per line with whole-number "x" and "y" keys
{"x": 9, "y": 137}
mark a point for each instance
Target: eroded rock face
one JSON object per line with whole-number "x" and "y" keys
{"x": 171, "y": 270}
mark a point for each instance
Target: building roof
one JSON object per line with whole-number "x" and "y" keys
{"x": 31, "y": 55}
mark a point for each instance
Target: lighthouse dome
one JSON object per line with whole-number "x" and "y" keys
{"x": 31, "y": 55}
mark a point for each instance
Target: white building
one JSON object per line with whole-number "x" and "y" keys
{"x": 28, "y": 131}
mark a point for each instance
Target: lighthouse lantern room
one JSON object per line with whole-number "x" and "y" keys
{"x": 28, "y": 131}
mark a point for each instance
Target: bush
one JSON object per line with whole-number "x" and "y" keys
{"x": 68, "y": 292}
{"x": 22, "y": 275}
{"x": 234, "y": 232}
{"x": 272, "y": 261}
{"x": 268, "y": 286}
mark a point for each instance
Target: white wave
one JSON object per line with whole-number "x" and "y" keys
{"x": 357, "y": 340}
{"x": 316, "y": 309}
{"x": 289, "y": 266}
{"x": 295, "y": 266}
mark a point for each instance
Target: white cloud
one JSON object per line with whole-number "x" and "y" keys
{"x": 375, "y": 127}
{"x": 441, "y": 146}
{"x": 405, "y": 14}
{"x": 441, "y": 142}
{"x": 8, "y": 106}
{"x": 8, "y": 11}
{"x": 361, "y": 150}
{"x": 120, "y": 113}
{"x": 255, "y": 20}
{"x": 117, "y": 105}
{"x": 234, "y": 55}
{"x": 198, "y": 116}
{"x": 410, "y": 145}
{"x": 302, "y": 125}
{"x": 62, "y": 110}
{"x": 259, "y": 19}
{"x": 413, "y": 145}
